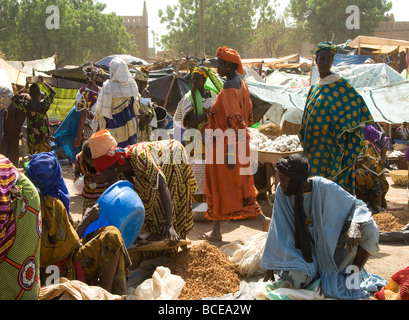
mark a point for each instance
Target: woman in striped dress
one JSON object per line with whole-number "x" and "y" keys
{"x": 118, "y": 104}
{"x": 162, "y": 177}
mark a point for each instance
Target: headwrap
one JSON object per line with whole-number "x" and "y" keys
{"x": 101, "y": 143}
{"x": 200, "y": 70}
{"x": 142, "y": 74}
{"x": 104, "y": 150}
{"x": 106, "y": 161}
{"x": 198, "y": 103}
{"x": 7, "y": 219}
{"x": 91, "y": 73}
{"x": 230, "y": 55}
{"x": 326, "y": 45}
{"x": 44, "y": 171}
{"x": 120, "y": 85}
{"x": 296, "y": 167}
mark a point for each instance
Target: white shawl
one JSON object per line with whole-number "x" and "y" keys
{"x": 120, "y": 85}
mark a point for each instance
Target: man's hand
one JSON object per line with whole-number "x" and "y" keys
{"x": 353, "y": 237}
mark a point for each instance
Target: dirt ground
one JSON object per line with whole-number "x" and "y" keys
{"x": 387, "y": 262}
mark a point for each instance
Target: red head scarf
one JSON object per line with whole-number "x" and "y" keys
{"x": 230, "y": 55}
{"x": 104, "y": 150}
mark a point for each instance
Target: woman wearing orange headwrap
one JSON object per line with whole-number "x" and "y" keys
{"x": 230, "y": 193}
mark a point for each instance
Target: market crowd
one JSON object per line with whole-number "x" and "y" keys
{"x": 115, "y": 124}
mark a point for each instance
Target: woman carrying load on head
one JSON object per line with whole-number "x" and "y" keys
{"x": 229, "y": 183}
{"x": 331, "y": 130}
{"x": 162, "y": 177}
{"x": 118, "y": 104}
{"x": 85, "y": 103}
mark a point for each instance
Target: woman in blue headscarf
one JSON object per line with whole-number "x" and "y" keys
{"x": 44, "y": 171}
{"x": 99, "y": 258}
{"x": 331, "y": 130}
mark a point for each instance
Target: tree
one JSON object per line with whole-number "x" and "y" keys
{"x": 227, "y": 23}
{"x": 276, "y": 36}
{"x": 76, "y": 31}
{"x": 326, "y": 19}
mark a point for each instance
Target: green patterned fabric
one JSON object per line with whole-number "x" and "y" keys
{"x": 20, "y": 270}
{"x": 332, "y": 131}
{"x": 64, "y": 100}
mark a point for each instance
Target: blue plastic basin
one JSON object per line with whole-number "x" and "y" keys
{"x": 120, "y": 206}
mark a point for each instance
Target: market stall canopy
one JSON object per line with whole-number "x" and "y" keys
{"x": 347, "y": 59}
{"x": 291, "y": 61}
{"x": 384, "y": 90}
{"x": 288, "y": 79}
{"x": 15, "y": 76}
{"x": 164, "y": 82}
{"x": 379, "y": 45}
{"x": 34, "y": 66}
{"x": 73, "y": 75}
{"x": 130, "y": 60}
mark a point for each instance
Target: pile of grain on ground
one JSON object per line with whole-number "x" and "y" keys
{"x": 389, "y": 221}
{"x": 207, "y": 272}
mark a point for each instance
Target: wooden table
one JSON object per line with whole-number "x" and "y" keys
{"x": 270, "y": 159}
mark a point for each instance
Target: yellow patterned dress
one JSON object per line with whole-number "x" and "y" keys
{"x": 331, "y": 130}
{"x": 169, "y": 159}
{"x": 371, "y": 183}
{"x": 80, "y": 259}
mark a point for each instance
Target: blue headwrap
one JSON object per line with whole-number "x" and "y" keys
{"x": 44, "y": 171}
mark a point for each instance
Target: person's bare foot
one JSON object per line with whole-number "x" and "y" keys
{"x": 265, "y": 222}
{"x": 265, "y": 226}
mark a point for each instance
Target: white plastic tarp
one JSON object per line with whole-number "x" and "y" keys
{"x": 384, "y": 90}
{"x": 16, "y": 76}
{"x": 287, "y": 79}
{"x": 38, "y": 65}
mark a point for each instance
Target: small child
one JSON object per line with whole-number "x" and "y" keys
{"x": 36, "y": 108}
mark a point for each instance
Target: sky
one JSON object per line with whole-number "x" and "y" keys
{"x": 400, "y": 9}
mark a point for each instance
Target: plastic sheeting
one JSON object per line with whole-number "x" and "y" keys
{"x": 346, "y": 59}
{"x": 384, "y": 90}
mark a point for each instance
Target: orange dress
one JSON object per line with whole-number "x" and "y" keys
{"x": 230, "y": 194}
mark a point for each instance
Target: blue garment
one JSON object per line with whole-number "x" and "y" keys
{"x": 44, "y": 171}
{"x": 330, "y": 210}
{"x": 66, "y": 134}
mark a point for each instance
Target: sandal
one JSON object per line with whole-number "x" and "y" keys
{"x": 205, "y": 236}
